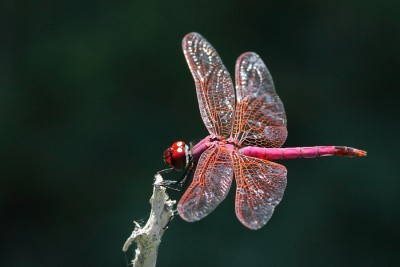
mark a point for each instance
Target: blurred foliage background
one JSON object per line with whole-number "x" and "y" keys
{"x": 92, "y": 92}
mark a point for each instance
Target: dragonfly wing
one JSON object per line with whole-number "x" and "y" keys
{"x": 214, "y": 87}
{"x": 211, "y": 182}
{"x": 260, "y": 118}
{"x": 259, "y": 188}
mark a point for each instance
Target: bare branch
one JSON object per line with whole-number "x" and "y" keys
{"x": 148, "y": 237}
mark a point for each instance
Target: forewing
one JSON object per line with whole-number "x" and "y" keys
{"x": 214, "y": 87}
{"x": 260, "y": 185}
{"x": 211, "y": 182}
{"x": 260, "y": 116}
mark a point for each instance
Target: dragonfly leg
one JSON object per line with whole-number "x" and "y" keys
{"x": 165, "y": 171}
{"x": 186, "y": 174}
{"x": 165, "y": 183}
{"x": 176, "y": 185}
{"x": 169, "y": 221}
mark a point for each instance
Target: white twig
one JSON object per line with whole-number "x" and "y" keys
{"x": 148, "y": 237}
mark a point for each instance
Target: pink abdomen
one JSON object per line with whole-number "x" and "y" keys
{"x": 301, "y": 152}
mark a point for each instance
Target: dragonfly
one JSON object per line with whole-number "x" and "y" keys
{"x": 247, "y": 127}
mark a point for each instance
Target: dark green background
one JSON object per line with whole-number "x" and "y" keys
{"x": 92, "y": 92}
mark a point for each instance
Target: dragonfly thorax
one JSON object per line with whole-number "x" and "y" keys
{"x": 178, "y": 155}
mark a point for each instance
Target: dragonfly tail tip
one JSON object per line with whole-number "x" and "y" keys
{"x": 361, "y": 153}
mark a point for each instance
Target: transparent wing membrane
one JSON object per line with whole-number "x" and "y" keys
{"x": 260, "y": 185}
{"x": 214, "y": 87}
{"x": 253, "y": 115}
{"x": 210, "y": 185}
{"x": 260, "y": 116}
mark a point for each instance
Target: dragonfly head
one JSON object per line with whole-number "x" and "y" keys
{"x": 177, "y": 156}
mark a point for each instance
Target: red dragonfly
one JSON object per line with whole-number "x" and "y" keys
{"x": 247, "y": 127}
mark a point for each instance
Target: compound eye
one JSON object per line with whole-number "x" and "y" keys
{"x": 175, "y": 156}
